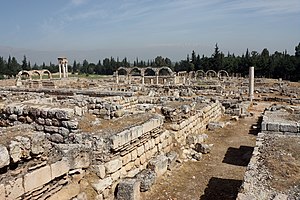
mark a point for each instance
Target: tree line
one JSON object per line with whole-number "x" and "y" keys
{"x": 276, "y": 65}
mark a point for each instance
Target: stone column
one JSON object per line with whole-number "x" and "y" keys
{"x": 64, "y": 70}
{"x": 117, "y": 77}
{"x": 59, "y": 67}
{"x": 251, "y": 83}
{"x": 156, "y": 79}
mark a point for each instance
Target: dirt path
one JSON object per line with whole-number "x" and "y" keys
{"x": 219, "y": 174}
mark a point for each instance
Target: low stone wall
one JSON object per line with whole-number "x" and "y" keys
{"x": 281, "y": 120}
{"x": 196, "y": 123}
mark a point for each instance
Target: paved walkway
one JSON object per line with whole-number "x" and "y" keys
{"x": 219, "y": 174}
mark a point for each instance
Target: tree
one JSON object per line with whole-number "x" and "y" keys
{"x": 297, "y": 50}
{"x": 25, "y": 64}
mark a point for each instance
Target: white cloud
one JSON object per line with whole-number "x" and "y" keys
{"x": 78, "y": 2}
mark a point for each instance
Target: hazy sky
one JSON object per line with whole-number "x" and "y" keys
{"x": 95, "y": 29}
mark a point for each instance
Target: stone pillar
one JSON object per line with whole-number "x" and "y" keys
{"x": 64, "y": 70}
{"x": 59, "y": 67}
{"x": 156, "y": 79}
{"x": 117, "y": 77}
{"x": 129, "y": 79}
{"x": 251, "y": 83}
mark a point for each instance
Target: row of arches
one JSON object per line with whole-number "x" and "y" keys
{"x": 148, "y": 71}
{"x": 24, "y": 74}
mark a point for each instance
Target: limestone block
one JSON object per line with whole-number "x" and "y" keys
{"x": 136, "y": 132}
{"x": 37, "y": 143}
{"x": 128, "y": 189}
{"x": 113, "y": 165}
{"x": 147, "y": 178}
{"x": 40, "y": 121}
{"x": 263, "y": 126}
{"x": 172, "y": 157}
{"x": 51, "y": 129}
{"x": 55, "y": 122}
{"x": 147, "y": 146}
{"x": 79, "y": 160}
{"x": 44, "y": 112}
{"x": 13, "y": 117}
{"x": 137, "y": 162}
{"x": 102, "y": 184}
{"x": 48, "y": 122}
{"x": 140, "y": 150}
{"x": 134, "y": 155}
{"x": 116, "y": 175}
{"x": 59, "y": 168}
{"x": 70, "y": 124}
{"x": 286, "y": 127}
{"x": 64, "y": 114}
{"x": 159, "y": 165}
{"x": 148, "y": 126}
{"x": 78, "y": 111}
{"x": 215, "y": 125}
{"x": 143, "y": 158}
{"x": 126, "y": 159}
{"x": 203, "y": 148}
{"x": 57, "y": 138}
{"x": 4, "y": 156}
{"x": 273, "y": 126}
{"x": 99, "y": 170}
{"x": 63, "y": 131}
{"x": 14, "y": 189}
{"x": 37, "y": 178}
{"x": 129, "y": 166}
{"x": 15, "y": 151}
{"x": 2, "y": 191}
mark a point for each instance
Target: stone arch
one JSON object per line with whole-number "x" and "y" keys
{"x": 200, "y": 74}
{"x": 33, "y": 72}
{"x": 211, "y": 73}
{"x": 23, "y": 72}
{"x": 122, "y": 71}
{"x": 192, "y": 74}
{"x": 135, "y": 71}
{"x": 149, "y": 71}
{"x": 223, "y": 73}
{"x": 46, "y": 72}
{"x": 165, "y": 71}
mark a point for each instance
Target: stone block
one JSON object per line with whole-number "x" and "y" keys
{"x": 79, "y": 160}
{"x": 37, "y": 143}
{"x": 99, "y": 170}
{"x": 14, "y": 189}
{"x": 59, "y": 168}
{"x": 203, "y": 148}
{"x": 172, "y": 157}
{"x": 129, "y": 166}
{"x": 37, "y": 178}
{"x": 128, "y": 189}
{"x": 147, "y": 178}
{"x": 134, "y": 155}
{"x": 126, "y": 159}
{"x": 116, "y": 175}
{"x": 263, "y": 126}
{"x": 215, "y": 125}
{"x": 136, "y": 132}
{"x": 140, "y": 150}
{"x": 159, "y": 165}
{"x": 147, "y": 126}
{"x": 64, "y": 114}
{"x": 143, "y": 158}
{"x": 4, "y": 156}
{"x": 2, "y": 191}
{"x": 273, "y": 127}
{"x": 285, "y": 127}
{"x": 113, "y": 165}
{"x": 15, "y": 151}
{"x": 102, "y": 184}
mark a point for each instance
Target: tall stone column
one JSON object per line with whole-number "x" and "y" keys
{"x": 59, "y": 68}
{"x": 64, "y": 70}
{"x": 156, "y": 79}
{"x": 251, "y": 83}
{"x": 66, "y": 65}
{"x": 117, "y": 77}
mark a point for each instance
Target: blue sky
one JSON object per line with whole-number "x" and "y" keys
{"x": 95, "y": 29}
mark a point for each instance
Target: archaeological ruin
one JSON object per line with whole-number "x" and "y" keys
{"x": 116, "y": 137}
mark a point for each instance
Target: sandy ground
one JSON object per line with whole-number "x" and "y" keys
{"x": 219, "y": 174}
